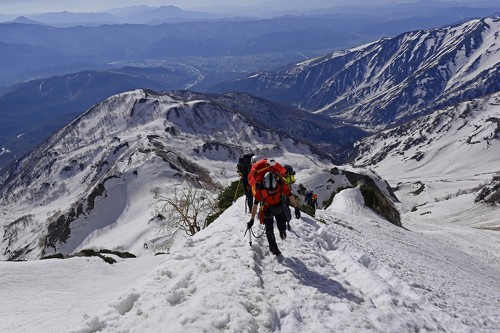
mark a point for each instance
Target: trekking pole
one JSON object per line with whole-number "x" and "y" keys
{"x": 249, "y": 235}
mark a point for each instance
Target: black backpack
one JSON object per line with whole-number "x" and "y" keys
{"x": 244, "y": 165}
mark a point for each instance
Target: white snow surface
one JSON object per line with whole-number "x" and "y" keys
{"x": 459, "y": 152}
{"x": 348, "y": 270}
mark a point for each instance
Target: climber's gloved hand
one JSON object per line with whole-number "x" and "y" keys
{"x": 297, "y": 212}
{"x": 250, "y": 224}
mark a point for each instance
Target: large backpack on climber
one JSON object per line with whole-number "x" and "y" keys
{"x": 260, "y": 168}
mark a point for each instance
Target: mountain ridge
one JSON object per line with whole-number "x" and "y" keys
{"x": 33, "y": 110}
{"x": 390, "y": 80}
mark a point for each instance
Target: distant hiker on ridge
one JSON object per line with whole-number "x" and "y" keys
{"x": 311, "y": 199}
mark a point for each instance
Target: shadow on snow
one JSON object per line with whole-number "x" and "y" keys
{"x": 318, "y": 281}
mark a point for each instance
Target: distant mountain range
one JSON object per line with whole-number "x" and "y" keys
{"x": 390, "y": 80}
{"x": 374, "y": 85}
{"x": 84, "y": 41}
{"x": 35, "y": 50}
{"x": 399, "y": 15}
{"x": 371, "y": 86}
{"x": 127, "y": 15}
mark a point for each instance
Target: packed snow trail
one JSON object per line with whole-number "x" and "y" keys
{"x": 354, "y": 273}
{"x": 217, "y": 282}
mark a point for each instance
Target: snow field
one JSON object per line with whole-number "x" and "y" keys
{"x": 347, "y": 271}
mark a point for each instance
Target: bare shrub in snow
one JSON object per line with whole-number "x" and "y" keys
{"x": 186, "y": 208}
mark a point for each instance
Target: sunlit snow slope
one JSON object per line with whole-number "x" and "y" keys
{"x": 440, "y": 163}
{"x": 349, "y": 271}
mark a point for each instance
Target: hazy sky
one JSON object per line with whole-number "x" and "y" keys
{"x": 37, "y": 6}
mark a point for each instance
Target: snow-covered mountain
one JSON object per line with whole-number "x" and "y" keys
{"x": 392, "y": 79}
{"x": 449, "y": 158}
{"x": 328, "y": 134}
{"x": 34, "y": 110}
{"x": 97, "y": 174}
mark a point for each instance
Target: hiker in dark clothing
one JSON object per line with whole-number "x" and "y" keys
{"x": 311, "y": 199}
{"x": 243, "y": 167}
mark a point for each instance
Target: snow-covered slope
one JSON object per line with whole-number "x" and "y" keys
{"x": 441, "y": 163}
{"x": 351, "y": 272}
{"x": 97, "y": 175}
